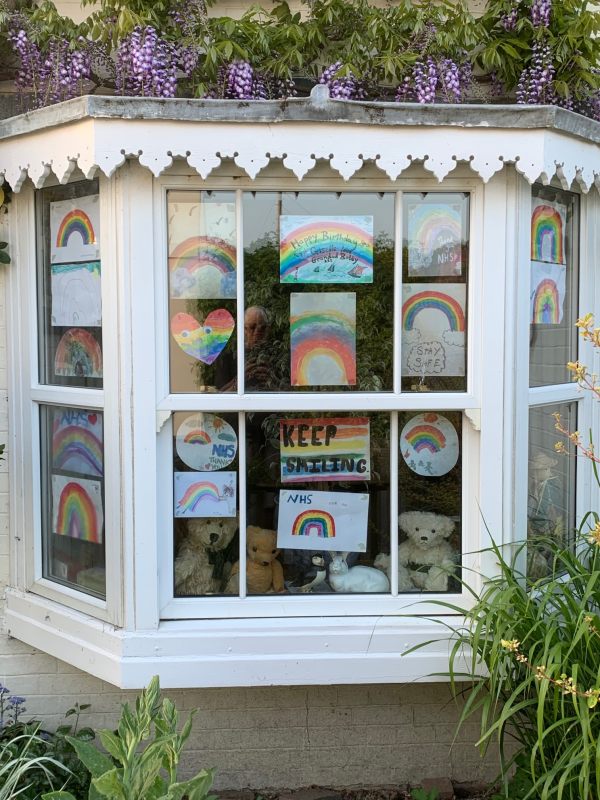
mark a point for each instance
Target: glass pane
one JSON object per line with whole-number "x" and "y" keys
{"x": 73, "y": 533}
{"x": 554, "y": 285}
{"x": 430, "y": 501}
{"x": 318, "y": 502}
{"x": 205, "y": 516}
{"x": 551, "y": 487}
{"x": 318, "y": 270}
{"x": 69, "y": 285}
{"x": 435, "y": 261}
{"x": 202, "y": 290}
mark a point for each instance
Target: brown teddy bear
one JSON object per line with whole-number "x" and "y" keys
{"x": 264, "y": 574}
{"x": 204, "y": 541}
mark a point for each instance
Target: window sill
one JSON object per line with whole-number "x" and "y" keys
{"x": 233, "y": 652}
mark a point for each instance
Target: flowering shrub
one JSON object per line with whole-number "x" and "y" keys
{"x": 531, "y": 51}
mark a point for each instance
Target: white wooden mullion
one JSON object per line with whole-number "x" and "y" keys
{"x": 242, "y": 505}
{"x": 240, "y": 291}
{"x": 394, "y": 455}
{"x": 397, "y": 326}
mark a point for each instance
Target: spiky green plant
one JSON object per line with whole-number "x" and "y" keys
{"x": 18, "y": 762}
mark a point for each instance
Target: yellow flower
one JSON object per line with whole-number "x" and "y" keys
{"x": 585, "y": 322}
{"x": 579, "y": 370}
{"x": 593, "y": 536}
{"x": 512, "y": 645}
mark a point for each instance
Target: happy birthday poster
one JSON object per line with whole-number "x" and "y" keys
{"x": 435, "y": 234}
{"x": 429, "y": 444}
{"x": 77, "y": 444}
{"x": 326, "y": 249}
{"x": 548, "y": 227}
{"x": 433, "y": 329}
{"x": 77, "y": 508}
{"x": 323, "y": 520}
{"x": 202, "y": 250}
{"x": 76, "y": 294}
{"x": 547, "y": 293}
{"x": 205, "y": 494}
{"x": 75, "y": 230}
{"x": 78, "y": 355}
{"x": 323, "y": 339}
{"x": 206, "y": 442}
{"x": 325, "y": 449}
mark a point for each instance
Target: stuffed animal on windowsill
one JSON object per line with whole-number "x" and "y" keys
{"x": 201, "y": 563}
{"x": 264, "y": 573}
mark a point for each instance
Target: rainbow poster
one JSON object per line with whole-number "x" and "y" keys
{"x": 325, "y": 249}
{"x": 324, "y": 449}
{"x": 547, "y": 293}
{"x": 323, "y": 520}
{"x": 203, "y": 341}
{"x": 548, "y": 226}
{"x": 323, "y": 339}
{"x": 429, "y": 444}
{"x": 203, "y": 268}
{"x": 435, "y": 236}
{"x": 76, "y": 294}
{"x": 77, "y": 509}
{"x": 200, "y": 214}
{"x": 433, "y": 329}
{"x": 77, "y": 442}
{"x": 205, "y": 494}
{"x": 75, "y": 230}
{"x": 78, "y": 355}
{"x": 206, "y": 442}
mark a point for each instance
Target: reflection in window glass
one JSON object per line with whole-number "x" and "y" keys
{"x": 554, "y": 285}
{"x": 205, "y": 496}
{"x": 318, "y": 270}
{"x": 551, "y": 487}
{"x": 202, "y": 266}
{"x": 69, "y": 285}
{"x": 435, "y": 256}
{"x": 73, "y": 535}
{"x": 429, "y": 501}
{"x": 318, "y": 503}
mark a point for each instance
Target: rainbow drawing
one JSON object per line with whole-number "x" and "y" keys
{"x": 323, "y": 339}
{"x": 438, "y": 301}
{"x": 547, "y": 232}
{"x": 77, "y": 513}
{"x": 328, "y": 249}
{"x": 205, "y": 494}
{"x": 316, "y": 522}
{"x": 204, "y": 342}
{"x": 76, "y": 221}
{"x": 77, "y": 449}
{"x": 198, "y": 493}
{"x": 425, "y": 437}
{"x": 197, "y": 437}
{"x": 203, "y": 267}
{"x": 434, "y": 238}
{"x": 206, "y": 443}
{"x": 78, "y": 355}
{"x": 548, "y": 288}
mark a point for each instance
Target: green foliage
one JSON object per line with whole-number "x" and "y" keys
{"x": 423, "y": 794}
{"x": 24, "y": 772}
{"x": 144, "y": 753}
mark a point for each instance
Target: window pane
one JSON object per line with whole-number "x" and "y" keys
{"x": 69, "y": 285}
{"x": 551, "y": 486}
{"x": 73, "y": 531}
{"x": 205, "y": 501}
{"x": 429, "y": 501}
{"x": 435, "y": 256}
{"x": 318, "y": 486}
{"x": 554, "y": 285}
{"x": 318, "y": 270}
{"x": 202, "y": 290}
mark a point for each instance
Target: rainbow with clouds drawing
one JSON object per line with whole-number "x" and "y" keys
{"x": 314, "y": 522}
{"x": 205, "y": 494}
{"x": 203, "y": 267}
{"x": 323, "y": 339}
{"x": 425, "y": 437}
{"x": 547, "y": 232}
{"x": 197, "y": 493}
{"x": 437, "y": 301}
{"x": 434, "y": 230}
{"x": 326, "y": 249}
{"x": 77, "y": 515}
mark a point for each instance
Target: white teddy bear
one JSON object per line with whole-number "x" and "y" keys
{"x": 426, "y": 559}
{"x": 202, "y": 543}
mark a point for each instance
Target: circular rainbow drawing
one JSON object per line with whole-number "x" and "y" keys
{"x": 547, "y": 238}
{"x": 76, "y": 514}
{"x": 203, "y": 268}
{"x": 433, "y": 300}
{"x": 76, "y": 221}
{"x": 314, "y": 522}
{"x": 432, "y": 230}
{"x": 77, "y": 449}
{"x": 206, "y": 442}
{"x": 429, "y": 444}
{"x": 547, "y": 308}
{"x": 78, "y": 355}
{"x": 206, "y": 341}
